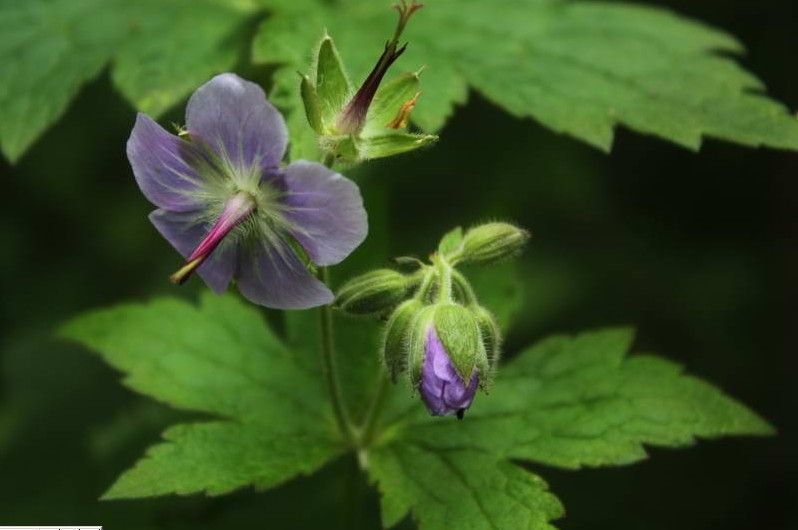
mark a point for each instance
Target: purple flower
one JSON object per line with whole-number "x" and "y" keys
{"x": 228, "y": 207}
{"x": 443, "y": 390}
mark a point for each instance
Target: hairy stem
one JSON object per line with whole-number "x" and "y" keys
{"x": 329, "y": 370}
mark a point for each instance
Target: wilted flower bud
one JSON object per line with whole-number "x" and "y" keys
{"x": 447, "y": 357}
{"x": 491, "y": 242}
{"x": 398, "y": 336}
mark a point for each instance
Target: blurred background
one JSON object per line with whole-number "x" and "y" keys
{"x": 699, "y": 251}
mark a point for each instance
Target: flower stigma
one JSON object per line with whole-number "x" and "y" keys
{"x": 237, "y": 209}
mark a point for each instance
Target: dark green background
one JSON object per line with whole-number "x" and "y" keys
{"x": 697, "y": 250}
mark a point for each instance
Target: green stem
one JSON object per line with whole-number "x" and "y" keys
{"x": 373, "y": 414}
{"x": 329, "y": 369}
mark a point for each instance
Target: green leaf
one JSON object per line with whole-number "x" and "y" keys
{"x": 566, "y": 402}
{"x": 161, "y": 50}
{"x": 220, "y": 359}
{"x": 579, "y": 68}
{"x": 176, "y": 45}
{"x": 580, "y": 401}
{"x": 461, "y": 489}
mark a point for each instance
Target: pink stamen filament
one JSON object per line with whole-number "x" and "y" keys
{"x": 237, "y": 209}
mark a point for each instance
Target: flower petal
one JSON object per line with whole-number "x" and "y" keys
{"x": 325, "y": 212}
{"x": 271, "y": 274}
{"x": 185, "y": 231}
{"x": 163, "y": 165}
{"x": 234, "y": 118}
{"x": 441, "y": 388}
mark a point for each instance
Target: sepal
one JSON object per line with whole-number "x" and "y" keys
{"x": 459, "y": 333}
{"x": 332, "y": 84}
{"x": 398, "y": 336}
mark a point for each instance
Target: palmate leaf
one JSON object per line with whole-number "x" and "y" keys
{"x": 161, "y": 50}
{"x": 577, "y": 67}
{"x": 566, "y": 402}
{"x": 580, "y": 68}
{"x": 221, "y": 359}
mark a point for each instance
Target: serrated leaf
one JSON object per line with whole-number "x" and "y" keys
{"x": 460, "y": 489}
{"x": 176, "y": 45}
{"x": 579, "y": 68}
{"x": 221, "y": 359}
{"x": 580, "y": 401}
{"x": 161, "y": 50}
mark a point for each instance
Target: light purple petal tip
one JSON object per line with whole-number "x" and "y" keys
{"x": 234, "y": 118}
{"x": 163, "y": 166}
{"x": 442, "y": 389}
{"x": 272, "y": 275}
{"x": 325, "y": 211}
{"x": 185, "y": 232}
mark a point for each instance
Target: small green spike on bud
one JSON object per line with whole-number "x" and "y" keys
{"x": 398, "y": 336}
{"x": 312, "y": 103}
{"x": 491, "y": 242}
{"x": 451, "y": 241}
{"x": 374, "y": 292}
{"x": 491, "y": 339}
{"x": 459, "y": 332}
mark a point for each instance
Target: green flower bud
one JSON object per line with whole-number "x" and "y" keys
{"x": 396, "y": 340}
{"x": 491, "y": 339}
{"x": 458, "y": 330}
{"x": 491, "y": 242}
{"x": 374, "y": 292}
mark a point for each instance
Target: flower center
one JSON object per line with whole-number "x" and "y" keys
{"x": 237, "y": 209}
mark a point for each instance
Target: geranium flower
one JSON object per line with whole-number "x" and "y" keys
{"x": 228, "y": 207}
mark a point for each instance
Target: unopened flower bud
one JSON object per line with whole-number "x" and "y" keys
{"x": 446, "y": 358}
{"x": 398, "y": 335}
{"x": 491, "y": 242}
{"x": 374, "y": 292}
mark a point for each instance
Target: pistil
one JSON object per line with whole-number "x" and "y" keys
{"x": 237, "y": 209}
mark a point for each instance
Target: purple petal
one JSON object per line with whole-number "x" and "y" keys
{"x": 325, "y": 211}
{"x": 185, "y": 231}
{"x": 232, "y": 116}
{"x": 441, "y": 388}
{"x": 163, "y": 166}
{"x": 271, "y": 275}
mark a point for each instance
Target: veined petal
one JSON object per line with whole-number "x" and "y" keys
{"x": 271, "y": 274}
{"x": 324, "y": 210}
{"x": 233, "y": 117}
{"x": 185, "y": 231}
{"x": 163, "y": 165}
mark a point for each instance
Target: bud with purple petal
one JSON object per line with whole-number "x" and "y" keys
{"x": 370, "y": 122}
{"x": 447, "y": 358}
{"x": 448, "y": 344}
